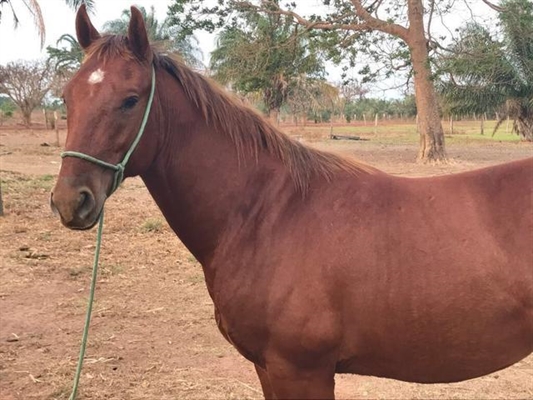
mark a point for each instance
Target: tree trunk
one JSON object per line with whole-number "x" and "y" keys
{"x": 273, "y": 116}
{"x": 431, "y": 132}
{"x": 304, "y": 119}
{"x": 56, "y": 127}
{"x": 26, "y": 117}
{"x": 524, "y": 128}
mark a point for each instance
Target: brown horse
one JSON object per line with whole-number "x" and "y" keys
{"x": 316, "y": 264}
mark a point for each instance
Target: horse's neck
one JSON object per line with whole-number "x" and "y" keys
{"x": 204, "y": 189}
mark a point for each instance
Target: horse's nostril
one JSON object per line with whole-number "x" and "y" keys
{"x": 83, "y": 198}
{"x": 86, "y": 204}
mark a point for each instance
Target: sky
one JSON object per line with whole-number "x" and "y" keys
{"x": 24, "y": 43}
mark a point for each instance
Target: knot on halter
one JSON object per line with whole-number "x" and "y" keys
{"x": 121, "y": 166}
{"x": 119, "y": 177}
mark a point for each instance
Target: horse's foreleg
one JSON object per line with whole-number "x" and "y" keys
{"x": 288, "y": 382}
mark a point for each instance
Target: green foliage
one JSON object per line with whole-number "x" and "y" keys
{"x": 404, "y": 108}
{"x": 486, "y": 74}
{"x": 191, "y": 15}
{"x": 168, "y": 37}
{"x": 75, "y": 4}
{"x": 7, "y": 107}
{"x": 264, "y": 54}
{"x": 68, "y": 56}
{"x": 314, "y": 98}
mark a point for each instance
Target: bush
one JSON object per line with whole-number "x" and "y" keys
{"x": 7, "y": 107}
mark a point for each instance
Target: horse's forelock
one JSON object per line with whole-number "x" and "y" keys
{"x": 110, "y": 46}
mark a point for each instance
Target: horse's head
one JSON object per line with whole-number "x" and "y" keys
{"x": 106, "y": 101}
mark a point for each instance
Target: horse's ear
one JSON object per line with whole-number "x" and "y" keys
{"x": 137, "y": 36}
{"x": 85, "y": 31}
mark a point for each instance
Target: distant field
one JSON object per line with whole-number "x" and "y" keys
{"x": 406, "y": 132}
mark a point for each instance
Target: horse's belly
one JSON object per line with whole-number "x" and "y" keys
{"x": 437, "y": 356}
{"x": 412, "y": 370}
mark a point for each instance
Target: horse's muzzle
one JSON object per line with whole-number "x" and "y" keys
{"x": 77, "y": 207}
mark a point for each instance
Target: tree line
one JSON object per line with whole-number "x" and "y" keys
{"x": 275, "y": 58}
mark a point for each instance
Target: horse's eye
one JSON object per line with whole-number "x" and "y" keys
{"x": 130, "y": 102}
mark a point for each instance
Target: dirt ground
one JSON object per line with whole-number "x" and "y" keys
{"x": 153, "y": 335}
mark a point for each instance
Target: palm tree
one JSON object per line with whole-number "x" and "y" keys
{"x": 265, "y": 54}
{"x": 315, "y": 97}
{"x": 165, "y": 36}
{"x": 35, "y": 10}
{"x": 66, "y": 58}
{"x": 489, "y": 75}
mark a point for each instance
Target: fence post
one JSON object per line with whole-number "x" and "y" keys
{"x": 45, "y": 119}
{"x": 451, "y": 124}
{"x": 56, "y": 127}
{"x": 507, "y": 125}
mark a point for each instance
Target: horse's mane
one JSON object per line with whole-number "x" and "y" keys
{"x": 248, "y": 130}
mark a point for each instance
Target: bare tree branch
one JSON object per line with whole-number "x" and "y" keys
{"x": 378, "y": 24}
{"x": 430, "y": 19}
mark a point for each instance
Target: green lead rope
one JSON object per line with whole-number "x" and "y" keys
{"x": 89, "y": 307}
{"x": 118, "y": 178}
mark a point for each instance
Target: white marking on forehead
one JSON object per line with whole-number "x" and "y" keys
{"x": 96, "y": 77}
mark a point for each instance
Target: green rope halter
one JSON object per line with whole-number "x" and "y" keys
{"x": 121, "y": 166}
{"x": 118, "y": 178}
